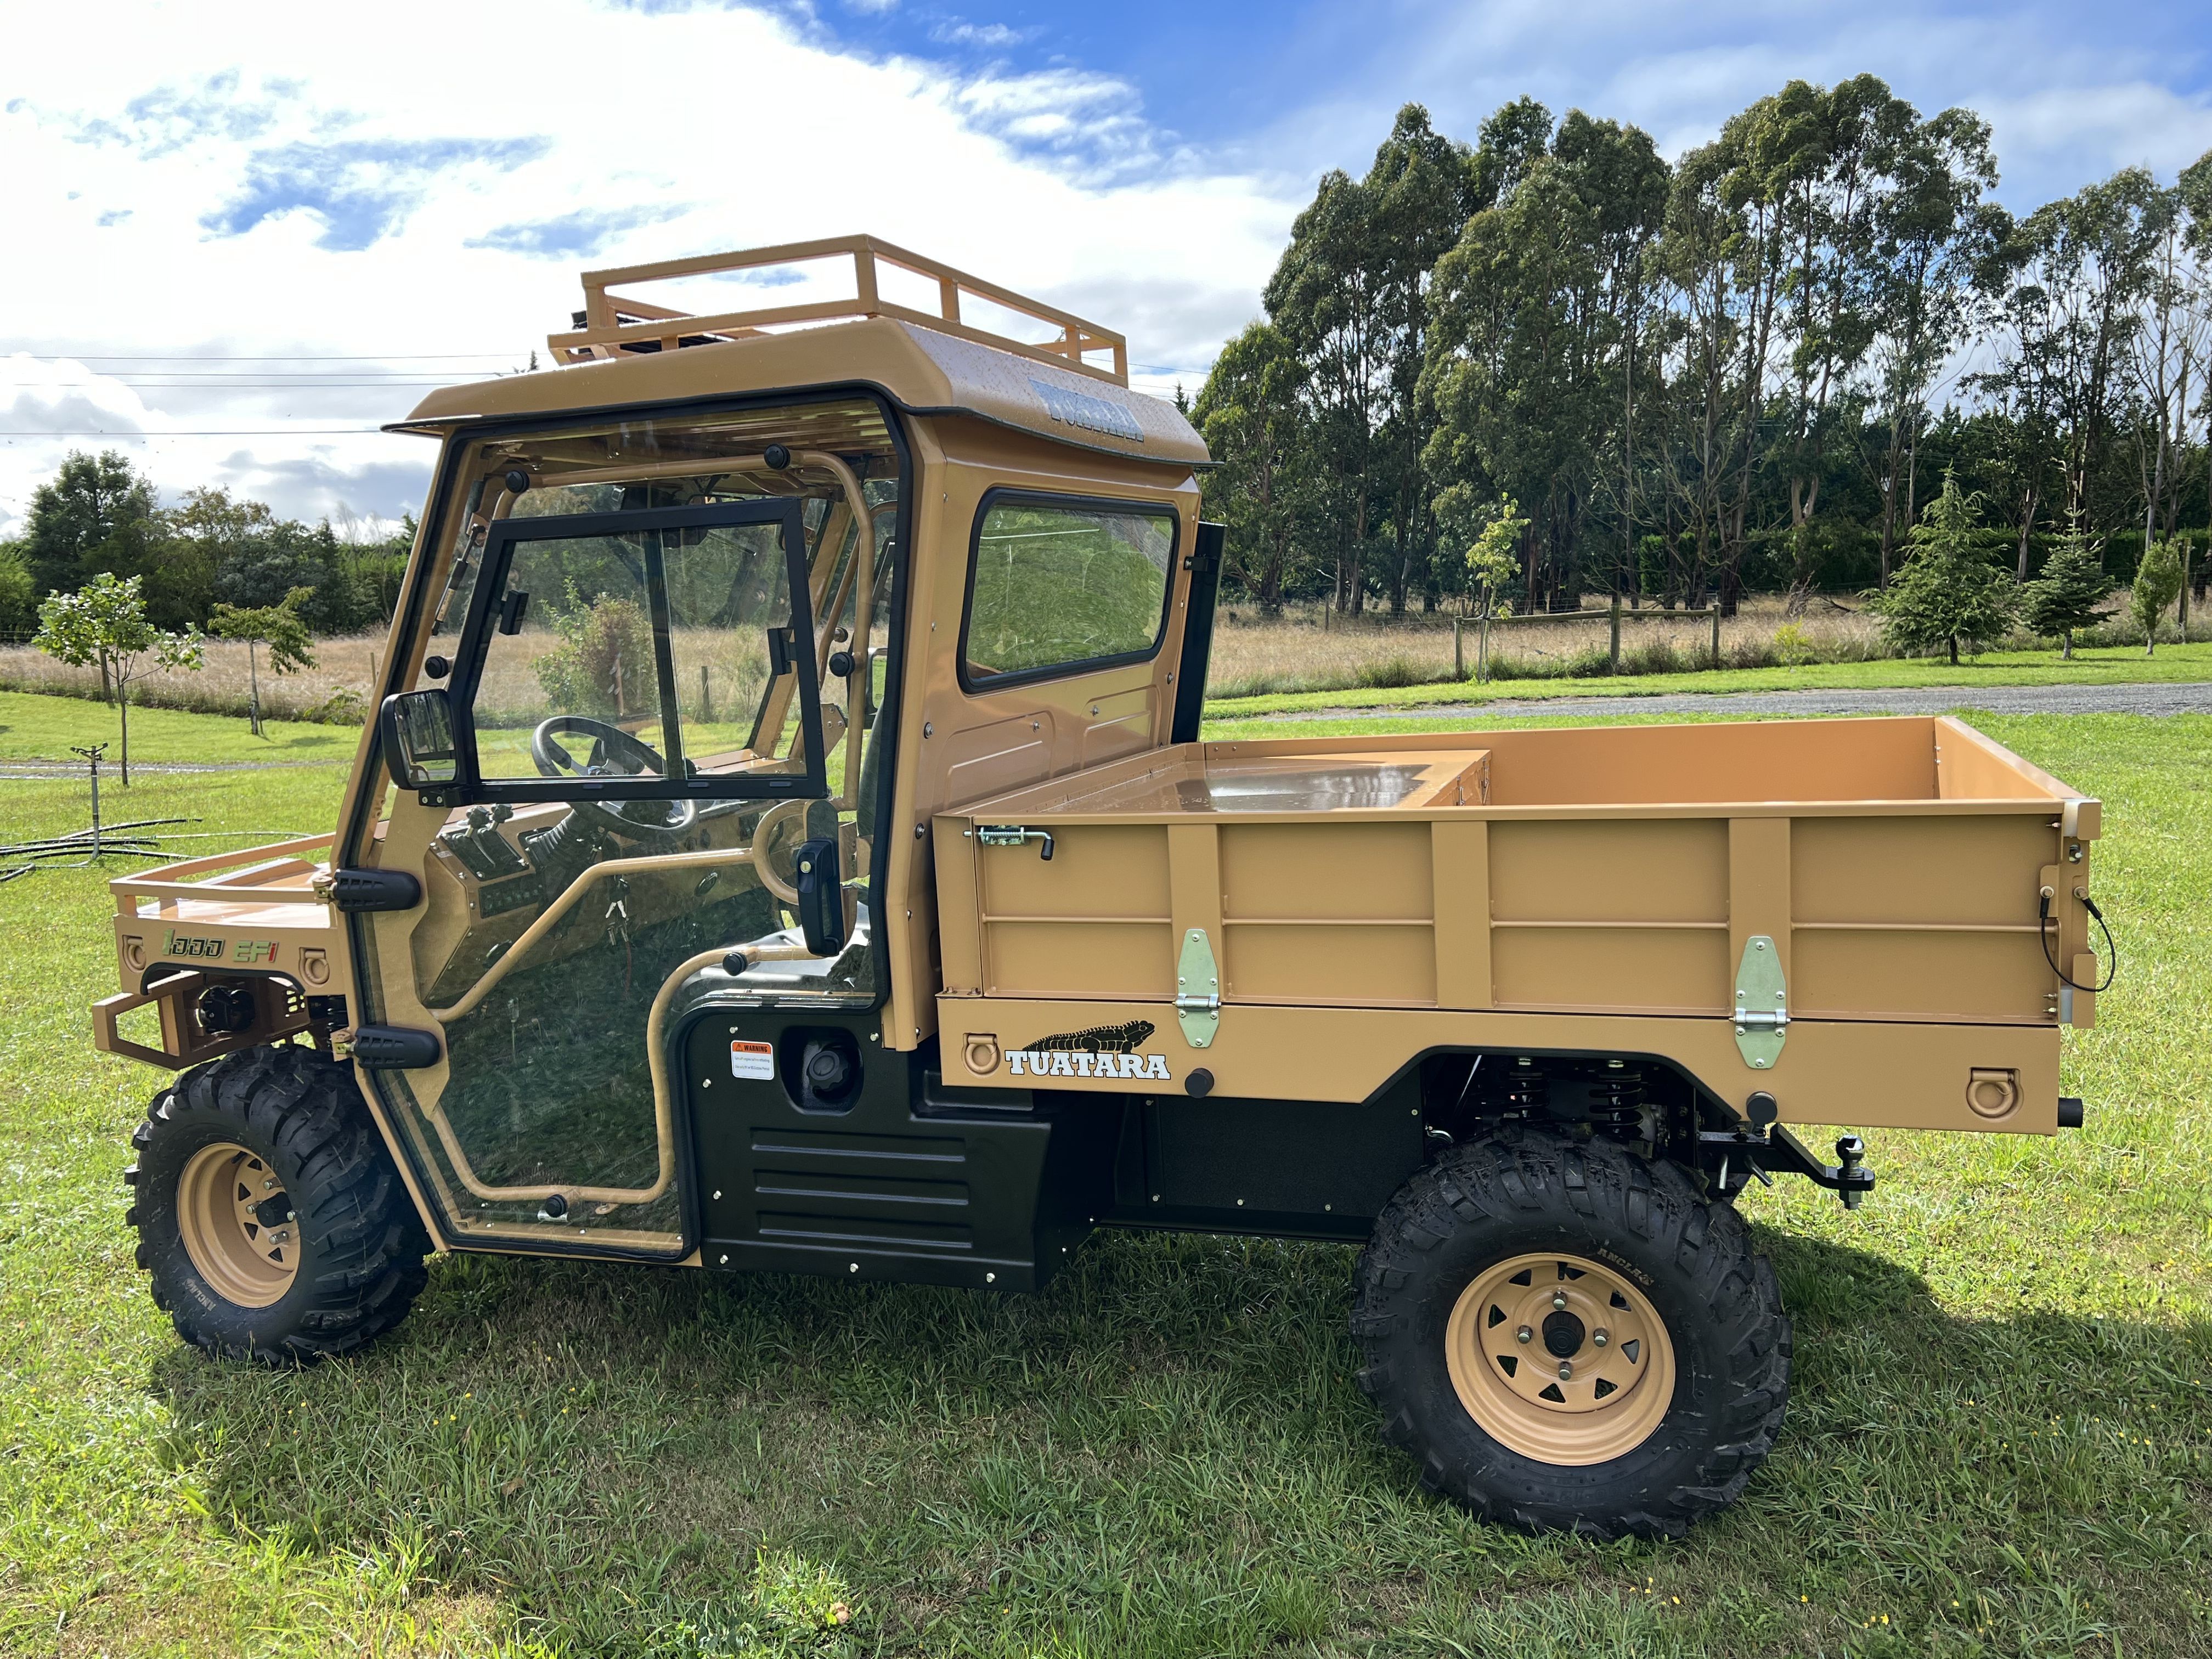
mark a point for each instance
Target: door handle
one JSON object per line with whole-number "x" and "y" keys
{"x": 821, "y": 896}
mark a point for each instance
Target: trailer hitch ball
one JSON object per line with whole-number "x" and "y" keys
{"x": 1851, "y": 1152}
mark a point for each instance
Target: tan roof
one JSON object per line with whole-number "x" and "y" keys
{"x": 922, "y": 370}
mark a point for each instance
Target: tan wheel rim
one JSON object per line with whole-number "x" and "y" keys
{"x": 1560, "y": 1358}
{"x": 236, "y": 1221}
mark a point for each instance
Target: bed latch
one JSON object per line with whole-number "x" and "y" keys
{"x": 1013, "y": 834}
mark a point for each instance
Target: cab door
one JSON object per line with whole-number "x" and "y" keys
{"x": 637, "y": 740}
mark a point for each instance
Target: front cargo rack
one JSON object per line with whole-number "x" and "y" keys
{"x": 613, "y": 325}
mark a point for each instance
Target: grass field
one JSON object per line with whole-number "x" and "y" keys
{"x": 2107, "y": 665}
{"x": 2000, "y": 1441}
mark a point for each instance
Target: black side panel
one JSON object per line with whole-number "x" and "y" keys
{"x": 1197, "y": 634}
{"x": 893, "y": 1184}
{"x": 1287, "y": 1168}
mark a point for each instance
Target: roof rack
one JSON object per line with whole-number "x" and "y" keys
{"x": 615, "y": 325}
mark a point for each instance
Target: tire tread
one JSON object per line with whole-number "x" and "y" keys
{"x": 370, "y": 1245}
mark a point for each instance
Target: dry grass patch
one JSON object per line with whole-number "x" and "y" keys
{"x": 1306, "y": 648}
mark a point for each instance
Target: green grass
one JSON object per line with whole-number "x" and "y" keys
{"x": 36, "y": 727}
{"x": 2000, "y": 1441}
{"x": 2118, "y": 665}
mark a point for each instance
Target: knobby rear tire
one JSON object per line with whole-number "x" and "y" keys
{"x": 360, "y": 1244}
{"x": 1517, "y": 1192}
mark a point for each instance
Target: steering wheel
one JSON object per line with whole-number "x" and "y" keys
{"x": 615, "y": 754}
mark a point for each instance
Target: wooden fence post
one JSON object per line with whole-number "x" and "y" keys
{"x": 1459, "y": 658}
{"x": 1616, "y": 633}
{"x": 1717, "y": 633}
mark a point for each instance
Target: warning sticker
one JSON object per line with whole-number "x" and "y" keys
{"x": 752, "y": 1059}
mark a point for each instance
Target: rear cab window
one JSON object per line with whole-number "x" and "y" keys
{"x": 1058, "y": 584}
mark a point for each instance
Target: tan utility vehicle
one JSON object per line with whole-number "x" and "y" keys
{"x": 787, "y": 844}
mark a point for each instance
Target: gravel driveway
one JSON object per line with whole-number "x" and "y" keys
{"x": 2154, "y": 699}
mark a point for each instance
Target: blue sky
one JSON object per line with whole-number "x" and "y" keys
{"x": 2076, "y": 89}
{"x": 297, "y": 218}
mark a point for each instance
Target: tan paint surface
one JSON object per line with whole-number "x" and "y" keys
{"x": 1866, "y": 1074}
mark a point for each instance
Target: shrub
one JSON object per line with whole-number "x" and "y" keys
{"x": 1399, "y": 670}
{"x": 2158, "y": 584}
{"x": 1793, "y": 646}
{"x": 601, "y": 661}
{"x": 343, "y": 707}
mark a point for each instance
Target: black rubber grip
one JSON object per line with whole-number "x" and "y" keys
{"x": 375, "y": 890}
{"x": 396, "y": 1047}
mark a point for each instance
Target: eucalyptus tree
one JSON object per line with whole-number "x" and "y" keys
{"x": 1249, "y": 412}
{"x": 2167, "y": 361}
{"x": 1538, "y": 315}
{"x": 1724, "y": 256}
{"x": 1516, "y": 403}
{"x": 1824, "y": 155}
{"x": 1422, "y": 188}
{"x": 1622, "y": 179}
{"x": 2082, "y": 266}
{"x": 1326, "y": 300}
{"x": 1935, "y": 270}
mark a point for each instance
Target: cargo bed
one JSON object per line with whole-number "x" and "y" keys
{"x": 1610, "y": 874}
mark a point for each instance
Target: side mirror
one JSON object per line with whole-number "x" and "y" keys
{"x": 418, "y": 729}
{"x": 821, "y": 896}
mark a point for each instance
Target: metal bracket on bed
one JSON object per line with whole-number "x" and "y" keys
{"x": 1198, "y": 990}
{"x": 1762, "y": 1004}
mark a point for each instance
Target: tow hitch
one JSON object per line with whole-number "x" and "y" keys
{"x": 1760, "y": 1145}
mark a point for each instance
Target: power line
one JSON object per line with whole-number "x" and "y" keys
{"x": 212, "y": 357}
{"x": 233, "y": 376}
{"x": 253, "y": 386}
{"x": 227, "y": 432}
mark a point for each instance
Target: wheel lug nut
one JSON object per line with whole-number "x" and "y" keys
{"x": 1599, "y": 1336}
{"x": 1566, "y": 1372}
{"x": 1525, "y": 1334}
{"x": 268, "y": 1186}
{"x": 1559, "y": 1298}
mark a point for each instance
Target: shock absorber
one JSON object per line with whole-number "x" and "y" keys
{"x": 1528, "y": 1091}
{"x": 1617, "y": 1101}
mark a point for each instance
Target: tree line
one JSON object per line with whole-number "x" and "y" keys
{"x": 99, "y": 516}
{"x": 1750, "y": 368}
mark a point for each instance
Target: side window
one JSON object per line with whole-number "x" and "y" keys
{"x": 1057, "y": 584}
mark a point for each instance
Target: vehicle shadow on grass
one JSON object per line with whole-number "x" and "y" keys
{"x": 600, "y": 1451}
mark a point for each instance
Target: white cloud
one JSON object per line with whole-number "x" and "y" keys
{"x": 958, "y": 32}
{"x": 2070, "y": 93}
{"x": 304, "y": 182}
